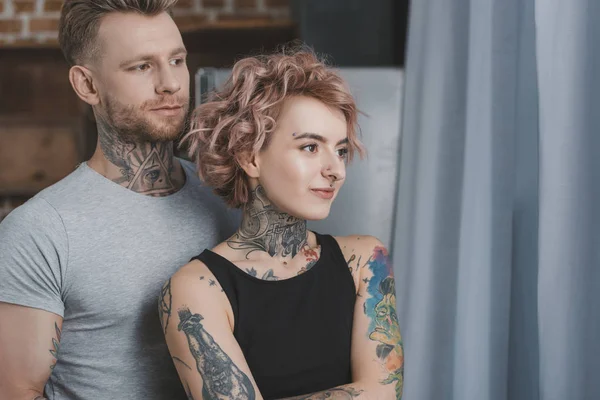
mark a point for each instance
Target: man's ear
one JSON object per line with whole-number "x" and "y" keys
{"x": 82, "y": 80}
{"x": 249, "y": 163}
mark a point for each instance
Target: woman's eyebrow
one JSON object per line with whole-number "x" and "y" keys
{"x": 317, "y": 137}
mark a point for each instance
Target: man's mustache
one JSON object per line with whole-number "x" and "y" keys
{"x": 166, "y": 102}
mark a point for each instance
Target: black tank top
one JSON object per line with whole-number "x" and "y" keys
{"x": 295, "y": 333}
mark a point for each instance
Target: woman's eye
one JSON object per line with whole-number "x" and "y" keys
{"x": 343, "y": 153}
{"x": 311, "y": 148}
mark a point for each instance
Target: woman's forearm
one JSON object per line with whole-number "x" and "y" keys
{"x": 358, "y": 390}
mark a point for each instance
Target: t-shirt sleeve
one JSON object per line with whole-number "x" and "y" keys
{"x": 33, "y": 257}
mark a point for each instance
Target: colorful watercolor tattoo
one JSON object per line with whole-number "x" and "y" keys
{"x": 380, "y": 307}
{"x": 312, "y": 256}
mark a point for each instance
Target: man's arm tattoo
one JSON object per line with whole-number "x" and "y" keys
{"x": 384, "y": 328}
{"x": 55, "y": 345}
{"x": 164, "y": 305}
{"x": 222, "y": 379}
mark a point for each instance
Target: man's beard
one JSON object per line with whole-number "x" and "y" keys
{"x": 134, "y": 125}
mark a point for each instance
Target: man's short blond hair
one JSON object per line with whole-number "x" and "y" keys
{"x": 80, "y": 21}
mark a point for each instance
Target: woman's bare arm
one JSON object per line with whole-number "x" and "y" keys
{"x": 377, "y": 352}
{"x": 199, "y": 334}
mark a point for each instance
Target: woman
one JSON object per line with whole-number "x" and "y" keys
{"x": 277, "y": 311}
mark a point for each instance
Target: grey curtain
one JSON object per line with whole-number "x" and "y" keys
{"x": 497, "y": 234}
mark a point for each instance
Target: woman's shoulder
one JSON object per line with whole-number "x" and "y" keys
{"x": 359, "y": 251}
{"x": 195, "y": 285}
{"x": 194, "y": 278}
{"x": 193, "y": 267}
{"x": 359, "y": 245}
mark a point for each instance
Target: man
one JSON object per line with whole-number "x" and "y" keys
{"x": 83, "y": 262}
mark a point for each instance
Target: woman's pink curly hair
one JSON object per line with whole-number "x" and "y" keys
{"x": 240, "y": 118}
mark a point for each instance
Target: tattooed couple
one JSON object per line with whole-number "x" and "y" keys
{"x": 265, "y": 308}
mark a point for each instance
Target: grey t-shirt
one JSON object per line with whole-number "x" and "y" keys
{"x": 97, "y": 254}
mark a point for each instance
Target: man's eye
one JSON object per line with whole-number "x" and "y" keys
{"x": 311, "y": 148}
{"x": 177, "y": 61}
{"x": 142, "y": 67}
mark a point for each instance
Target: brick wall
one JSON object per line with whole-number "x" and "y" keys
{"x": 35, "y": 22}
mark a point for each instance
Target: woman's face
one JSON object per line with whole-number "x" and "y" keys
{"x": 304, "y": 166}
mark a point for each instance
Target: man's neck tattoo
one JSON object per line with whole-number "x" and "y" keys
{"x": 265, "y": 228}
{"x": 144, "y": 167}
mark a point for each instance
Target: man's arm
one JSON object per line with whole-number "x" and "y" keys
{"x": 377, "y": 352}
{"x": 29, "y": 342}
{"x": 210, "y": 362}
{"x": 33, "y": 258}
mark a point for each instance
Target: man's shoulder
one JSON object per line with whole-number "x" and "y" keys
{"x": 67, "y": 189}
{"x": 199, "y": 191}
{"x": 33, "y": 236}
{"x": 47, "y": 207}
{"x": 188, "y": 166}
{"x": 198, "y": 188}
{"x": 191, "y": 175}
{"x": 34, "y": 214}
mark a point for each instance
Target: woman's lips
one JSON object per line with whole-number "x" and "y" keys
{"x": 326, "y": 194}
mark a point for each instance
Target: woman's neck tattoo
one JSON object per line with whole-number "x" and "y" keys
{"x": 264, "y": 228}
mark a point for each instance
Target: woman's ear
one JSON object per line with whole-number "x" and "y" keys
{"x": 82, "y": 81}
{"x": 249, "y": 164}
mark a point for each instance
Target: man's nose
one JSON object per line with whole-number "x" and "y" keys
{"x": 168, "y": 82}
